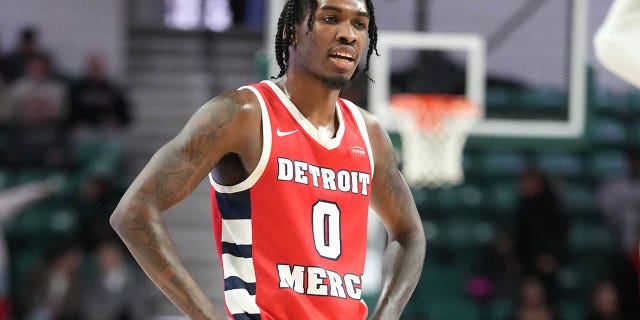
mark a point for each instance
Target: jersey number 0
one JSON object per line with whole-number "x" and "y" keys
{"x": 326, "y": 229}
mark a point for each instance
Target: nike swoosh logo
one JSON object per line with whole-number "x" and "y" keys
{"x": 285, "y": 133}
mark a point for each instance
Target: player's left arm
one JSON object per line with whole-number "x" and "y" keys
{"x": 391, "y": 199}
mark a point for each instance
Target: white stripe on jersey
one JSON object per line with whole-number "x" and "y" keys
{"x": 237, "y": 232}
{"x": 240, "y": 301}
{"x": 238, "y": 267}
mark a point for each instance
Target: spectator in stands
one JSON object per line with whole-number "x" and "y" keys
{"x": 27, "y": 48}
{"x": 96, "y": 103}
{"x": 542, "y": 227}
{"x": 97, "y": 198}
{"x": 12, "y": 201}
{"x": 37, "y": 98}
{"x": 533, "y": 303}
{"x": 116, "y": 291}
{"x": 619, "y": 201}
{"x": 499, "y": 266}
{"x": 36, "y": 108}
{"x": 624, "y": 276}
{"x": 53, "y": 290}
{"x": 604, "y": 304}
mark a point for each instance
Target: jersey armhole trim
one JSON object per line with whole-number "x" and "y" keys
{"x": 264, "y": 157}
{"x": 357, "y": 115}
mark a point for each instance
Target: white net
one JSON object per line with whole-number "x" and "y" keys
{"x": 434, "y": 130}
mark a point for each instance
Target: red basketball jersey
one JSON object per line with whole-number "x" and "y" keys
{"x": 292, "y": 237}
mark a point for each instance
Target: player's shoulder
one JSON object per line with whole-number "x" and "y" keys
{"x": 240, "y": 99}
{"x": 370, "y": 120}
{"x": 242, "y": 105}
{"x": 368, "y": 117}
{"x": 377, "y": 134}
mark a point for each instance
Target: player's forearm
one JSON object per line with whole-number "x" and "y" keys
{"x": 173, "y": 172}
{"x": 145, "y": 234}
{"x": 401, "y": 268}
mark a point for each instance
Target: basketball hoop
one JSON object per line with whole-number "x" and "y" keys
{"x": 434, "y": 129}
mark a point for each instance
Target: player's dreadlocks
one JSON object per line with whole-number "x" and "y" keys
{"x": 294, "y": 12}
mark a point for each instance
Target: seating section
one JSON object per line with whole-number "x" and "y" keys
{"x": 55, "y": 221}
{"x": 544, "y": 102}
{"x": 560, "y": 164}
{"x": 461, "y": 220}
{"x": 581, "y": 202}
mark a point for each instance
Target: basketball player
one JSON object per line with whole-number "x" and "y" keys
{"x": 293, "y": 170}
{"x": 617, "y": 41}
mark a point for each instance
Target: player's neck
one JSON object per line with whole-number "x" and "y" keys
{"x": 313, "y": 98}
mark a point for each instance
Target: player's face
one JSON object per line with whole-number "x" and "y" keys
{"x": 332, "y": 50}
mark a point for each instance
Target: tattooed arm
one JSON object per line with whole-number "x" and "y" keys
{"x": 173, "y": 172}
{"x": 391, "y": 199}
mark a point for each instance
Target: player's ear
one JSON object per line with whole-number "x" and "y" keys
{"x": 292, "y": 39}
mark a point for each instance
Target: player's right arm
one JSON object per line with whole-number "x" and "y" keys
{"x": 174, "y": 171}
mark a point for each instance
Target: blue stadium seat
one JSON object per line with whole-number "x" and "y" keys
{"x": 498, "y": 97}
{"x": 572, "y": 309}
{"x": 432, "y": 232}
{"x": 577, "y": 278}
{"x": 560, "y": 164}
{"x": 586, "y": 238}
{"x": 426, "y": 202}
{"x": 501, "y": 164}
{"x": 442, "y": 280}
{"x": 444, "y": 308}
{"x": 464, "y": 234}
{"x": 580, "y": 200}
{"x": 68, "y": 180}
{"x": 28, "y": 175}
{"x": 609, "y": 102}
{"x": 43, "y": 222}
{"x": 465, "y": 199}
{"x": 605, "y": 164}
{"x": 632, "y": 102}
{"x": 459, "y": 234}
{"x": 97, "y": 156}
{"x": 501, "y": 201}
{"x": 501, "y": 100}
{"x": 470, "y": 164}
{"x": 6, "y": 178}
{"x": 542, "y": 99}
{"x": 633, "y": 135}
{"x": 23, "y": 263}
{"x": 608, "y": 131}
{"x": 500, "y": 309}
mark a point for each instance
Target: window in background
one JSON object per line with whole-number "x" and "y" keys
{"x": 217, "y": 15}
{"x": 198, "y": 14}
